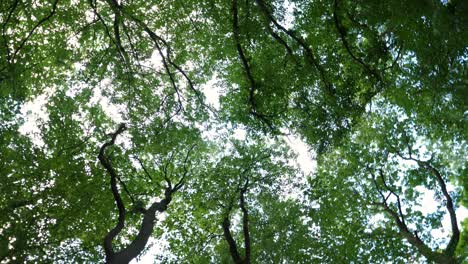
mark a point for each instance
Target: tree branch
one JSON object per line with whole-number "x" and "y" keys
{"x": 155, "y": 38}
{"x": 247, "y": 70}
{"x": 452, "y": 245}
{"x": 146, "y": 229}
{"x": 245, "y": 223}
{"x": 138, "y": 244}
{"x": 412, "y": 238}
{"x": 308, "y": 51}
{"x": 115, "y": 191}
{"x": 7, "y": 20}
{"x": 342, "y": 33}
{"x": 31, "y": 32}
{"x": 181, "y": 182}
{"x": 144, "y": 169}
{"x": 400, "y": 211}
{"x": 230, "y": 240}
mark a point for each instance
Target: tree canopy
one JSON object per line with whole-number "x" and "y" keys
{"x": 135, "y": 128}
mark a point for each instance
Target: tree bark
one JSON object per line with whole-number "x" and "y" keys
{"x": 231, "y": 242}
{"x": 146, "y": 229}
{"x": 149, "y": 216}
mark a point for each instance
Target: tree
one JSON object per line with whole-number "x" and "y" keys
{"x": 237, "y": 211}
{"x": 149, "y": 215}
{"x": 379, "y": 86}
{"x": 388, "y": 166}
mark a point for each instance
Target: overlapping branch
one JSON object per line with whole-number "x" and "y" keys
{"x": 245, "y": 222}
{"x": 163, "y": 48}
{"x": 398, "y": 217}
{"x": 12, "y": 9}
{"x": 233, "y": 250}
{"x": 372, "y": 71}
{"x": 114, "y": 40}
{"x": 226, "y": 224}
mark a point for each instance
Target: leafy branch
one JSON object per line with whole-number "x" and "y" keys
{"x": 247, "y": 69}
{"x": 311, "y": 58}
{"x": 452, "y": 245}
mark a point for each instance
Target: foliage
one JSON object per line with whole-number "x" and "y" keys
{"x": 106, "y": 120}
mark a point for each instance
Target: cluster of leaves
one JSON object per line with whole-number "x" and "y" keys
{"x": 376, "y": 89}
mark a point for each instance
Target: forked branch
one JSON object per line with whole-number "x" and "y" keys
{"x": 233, "y": 248}
{"x": 126, "y": 254}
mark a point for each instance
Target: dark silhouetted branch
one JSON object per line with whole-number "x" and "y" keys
{"x": 115, "y": 191}
{"x": 245, "y": 223}
{"x": 452, "y": 245}
{"x": 230, "y": 240}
